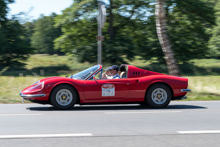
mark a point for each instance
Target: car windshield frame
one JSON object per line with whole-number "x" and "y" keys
{"x": 85, "y": 74}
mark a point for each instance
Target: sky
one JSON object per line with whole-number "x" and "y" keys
{"x": 45, "y": 7}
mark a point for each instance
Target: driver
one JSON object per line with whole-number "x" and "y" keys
{"x": 107, "y": 73}
{"x": 114, "y": 72}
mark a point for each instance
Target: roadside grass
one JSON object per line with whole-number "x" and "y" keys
{"x": 10, "y": 87}
{"x": 54, "y": 65}
{"x": 46, "y": 65}
{"x": 203, "y": 74}
{"x": 204, "y": 88}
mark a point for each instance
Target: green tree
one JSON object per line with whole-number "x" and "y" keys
{"x": 214, "y": 42}
{"x": 131, "y": 29}
{"x": 4, "y": 10}
{"x": 79, "y": 28}
{"x": 44, "y": 35}
{"x": 29, "y": 30}
{"x": 13, "y": 46}
{"x": 186, "y": 27}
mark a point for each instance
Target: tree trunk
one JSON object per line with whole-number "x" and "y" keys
{"x": 163, "y": 38}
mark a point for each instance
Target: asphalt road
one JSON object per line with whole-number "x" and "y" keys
{"x": 180, "y": 124}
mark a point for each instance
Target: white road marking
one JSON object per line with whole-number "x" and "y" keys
{"x": 44, "y": 135}
{"x": 199, "y": 132}
{"x": 19, "y": 114}
{"x": 143, "y": 112}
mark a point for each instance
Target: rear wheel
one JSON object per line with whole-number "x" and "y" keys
{"x": 158, "y": 96}
{"x": 63, "y": 97}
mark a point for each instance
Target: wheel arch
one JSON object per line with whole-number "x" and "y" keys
{"x": 159, "y": 83}
{"x": 78, "y": 98}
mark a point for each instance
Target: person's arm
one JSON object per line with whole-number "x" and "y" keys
{"x": 104, "y": 76}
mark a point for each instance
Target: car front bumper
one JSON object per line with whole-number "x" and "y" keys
{"x": 29, "y": 96}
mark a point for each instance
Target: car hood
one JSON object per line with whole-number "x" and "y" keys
{"x": 52, "y": 78}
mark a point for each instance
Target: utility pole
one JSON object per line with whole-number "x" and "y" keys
{"x": 101, "y": 21}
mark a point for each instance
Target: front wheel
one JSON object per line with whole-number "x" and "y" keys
{"x": 63, "y": 97}
{"x": 158, "y": 96}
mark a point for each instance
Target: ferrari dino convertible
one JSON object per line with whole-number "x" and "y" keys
{"x": 87, "y": 87}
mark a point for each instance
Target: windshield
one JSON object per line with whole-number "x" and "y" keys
{"x": 85, "y": 73}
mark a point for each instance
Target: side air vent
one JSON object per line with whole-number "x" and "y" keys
{"x": 136, "y": 73}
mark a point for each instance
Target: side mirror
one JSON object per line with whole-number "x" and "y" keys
{"x": 93, "y": 77}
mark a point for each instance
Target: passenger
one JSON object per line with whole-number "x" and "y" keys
{"x": 114, "y": 72}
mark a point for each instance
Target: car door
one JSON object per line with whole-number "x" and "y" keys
{"x": 105, "y": 90}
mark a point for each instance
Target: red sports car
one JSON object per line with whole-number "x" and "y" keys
{"x": 87, "y": 87}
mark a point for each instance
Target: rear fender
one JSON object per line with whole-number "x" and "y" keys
{"x": 161, "y": 82}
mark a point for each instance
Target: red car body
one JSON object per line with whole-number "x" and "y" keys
{"x": 131, "y": 89}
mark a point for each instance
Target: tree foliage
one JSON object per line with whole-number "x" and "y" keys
{"x": 131, "y": 29}
{"x": 12, "y": 42}
{"x": 12, "y": 37}
{"x": 186, "y": 26}
{"x": 79, "y": 28}
{"x": 4, "y": 10}
{"x": 44, "y": 34}
{"x": 29, "y": 30}
{"x": 214, "y": 42}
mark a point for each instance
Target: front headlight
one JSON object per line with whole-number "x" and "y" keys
{"x": 37, "y": 87}
{"x": 36, "y": 82}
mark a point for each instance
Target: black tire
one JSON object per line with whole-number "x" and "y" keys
{"x": 158, "y": 96}
{"x": 63, "y": 93}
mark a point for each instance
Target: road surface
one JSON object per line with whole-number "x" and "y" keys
{"x": 182, "y": 123}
